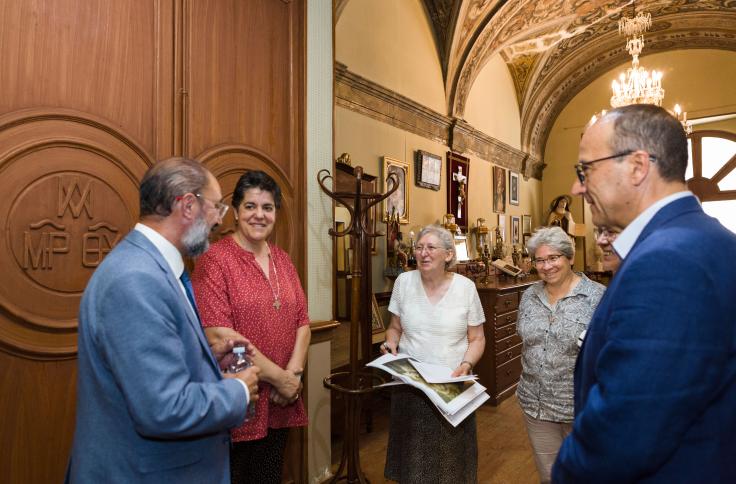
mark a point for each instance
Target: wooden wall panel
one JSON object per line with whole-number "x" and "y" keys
{"x": 93, "y": 93}
{"x": 94, "y": 56}
{"x": 245, "y": 99}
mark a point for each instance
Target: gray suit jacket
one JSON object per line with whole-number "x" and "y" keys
{"x": 151, "y": 403}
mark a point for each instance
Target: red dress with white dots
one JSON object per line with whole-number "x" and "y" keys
{"x": 232, "y": 291}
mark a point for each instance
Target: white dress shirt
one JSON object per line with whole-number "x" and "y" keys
{"x": 172, "y": 256}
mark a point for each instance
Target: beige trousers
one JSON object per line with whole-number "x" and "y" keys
{"x": 546, "y": 439}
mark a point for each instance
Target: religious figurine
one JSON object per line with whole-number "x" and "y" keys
{"x": 449, "y": 223}
{"x": 516, "y": 255}
{"x": 481, "y": 235}
{"x": 498, "y": 249}
{"x": 344, "y": 158}
{"x": 559, "y": 213}
{"x": 461, "y": 181}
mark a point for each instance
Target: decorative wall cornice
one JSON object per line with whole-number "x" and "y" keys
{"x": 465, "y": 138}
{"x": 375, "y": 101}
{"x": 368, "y": 98}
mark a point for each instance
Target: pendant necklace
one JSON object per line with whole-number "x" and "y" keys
{"x": 271, "y": 263}
{"x": 277, "y": 293}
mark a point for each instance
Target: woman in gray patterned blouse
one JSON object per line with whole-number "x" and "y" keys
{"x": 552, "y": 315}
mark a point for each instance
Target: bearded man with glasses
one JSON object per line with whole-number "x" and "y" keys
{"x": 655, "y": 382}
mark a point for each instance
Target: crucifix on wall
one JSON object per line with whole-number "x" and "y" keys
{"x": 458, "y": 176}
{"x": 461, "y": 180}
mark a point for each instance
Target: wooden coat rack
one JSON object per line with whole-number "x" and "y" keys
{"x": 354, "y": 384}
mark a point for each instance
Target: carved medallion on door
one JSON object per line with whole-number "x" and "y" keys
{"x": 68, "y": 195}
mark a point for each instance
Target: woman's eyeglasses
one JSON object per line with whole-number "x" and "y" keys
{"x": 551, "y": 259}
{"x": 431, "y": 249}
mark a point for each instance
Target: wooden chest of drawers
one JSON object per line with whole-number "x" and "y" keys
{"x": 500, "y": 367}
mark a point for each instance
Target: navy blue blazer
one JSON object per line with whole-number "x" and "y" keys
{"x": 151, "y": 403}
{"x": 655, "y": 381}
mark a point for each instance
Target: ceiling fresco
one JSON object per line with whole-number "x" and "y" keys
{"x": 555, "y": 48}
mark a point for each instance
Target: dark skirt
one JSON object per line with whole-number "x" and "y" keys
{"x": 259, "y": 461}
{"x": 423, "y": 447}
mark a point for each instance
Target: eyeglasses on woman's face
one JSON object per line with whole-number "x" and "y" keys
{"x": 431, "y": 249}
{"x": 552, "y": 259}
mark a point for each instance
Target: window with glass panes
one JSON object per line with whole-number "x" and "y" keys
{"x": 711, "y": 173}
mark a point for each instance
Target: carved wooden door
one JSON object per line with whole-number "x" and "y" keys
{"x": 93, "y": 93}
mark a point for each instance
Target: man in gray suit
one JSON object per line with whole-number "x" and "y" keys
{"x": 152, "y": 405}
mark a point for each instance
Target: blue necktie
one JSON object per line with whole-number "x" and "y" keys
{"x": 187, "y": 281}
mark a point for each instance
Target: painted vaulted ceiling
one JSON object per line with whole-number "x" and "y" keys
{"x": 555, "y": 48}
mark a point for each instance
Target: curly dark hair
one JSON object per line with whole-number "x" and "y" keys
{"x": 256, "y": 179}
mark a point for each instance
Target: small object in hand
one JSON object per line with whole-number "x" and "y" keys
{"x": 385, "y": 346}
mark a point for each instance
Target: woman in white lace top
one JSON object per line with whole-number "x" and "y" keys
{"x": 436, "y": 317}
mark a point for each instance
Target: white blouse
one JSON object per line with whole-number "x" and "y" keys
{"x": 435, "y": 333}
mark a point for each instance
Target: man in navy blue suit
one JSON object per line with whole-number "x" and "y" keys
{"x": 655, "y": 381}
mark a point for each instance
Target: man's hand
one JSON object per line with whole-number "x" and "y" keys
{"x": 250, "y": 377}
{"x": 222, "y": 341}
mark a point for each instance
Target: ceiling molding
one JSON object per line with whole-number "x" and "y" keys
{"x": 370, "y": 99}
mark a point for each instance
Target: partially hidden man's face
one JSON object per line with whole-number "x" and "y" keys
{"x": 605, "y": 239}
{"x": 196, "y": 239}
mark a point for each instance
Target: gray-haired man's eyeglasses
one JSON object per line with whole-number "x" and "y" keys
{"x": 581, "y": 166}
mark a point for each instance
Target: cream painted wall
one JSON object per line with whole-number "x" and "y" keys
{"x": 319, "y": 245}
{"x": 391, "y": 42}
{"x": 492, "y": 106}
{"x": 368, "y": 140}
{"x": 700, "y": 80}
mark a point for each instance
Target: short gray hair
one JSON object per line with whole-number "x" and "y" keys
{"x": 652, "y": 129}
{"x": 446, "y": 239}
{"x": 167, "y": 180}
{"x": 553, "y": 237}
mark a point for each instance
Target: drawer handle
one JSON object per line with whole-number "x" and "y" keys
{"x": 507, "y": 302}
{"x": 508, "y": 319}
{"x": 508, "y": 372}
{"x": 509, "y": 354}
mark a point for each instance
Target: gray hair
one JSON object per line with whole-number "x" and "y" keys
{"x": 167, "y": 180}
{"x": 652, "y": 129}
{"x": 553, "y": 237}
{"x": 446, "y": 239}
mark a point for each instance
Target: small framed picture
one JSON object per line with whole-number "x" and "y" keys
{"x": 398, "y": 202}
{"x": 427, "y": 170}
{"x": 526, "y": 224}
{"x": 513, "y": 188}
{"x": 502, "y": 226}
{"x": 376, "y": 319}
{"x": 499, "y": 189}
{"x": 515, "y": 229}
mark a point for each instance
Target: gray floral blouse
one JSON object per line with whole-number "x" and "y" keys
{"x": 550, "y": 337}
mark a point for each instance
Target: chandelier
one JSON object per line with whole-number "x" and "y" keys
{"x": 638, "y": 85}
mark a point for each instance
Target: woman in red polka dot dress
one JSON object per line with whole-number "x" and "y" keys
{"x": 246, "y": 285}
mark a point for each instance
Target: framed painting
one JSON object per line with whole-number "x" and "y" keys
{"x": 376, "y": 319}
{"x": 526, "y": 224}
{"x": 515, "y": 230}
{"x": 458, "y": 183}
{"x": 499, "y": 190}
{"x": 513, "y": 188}
{"x": 427, "y": 170}
{"x": 502, "y": 227}
{"x": 398, "y": 202}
